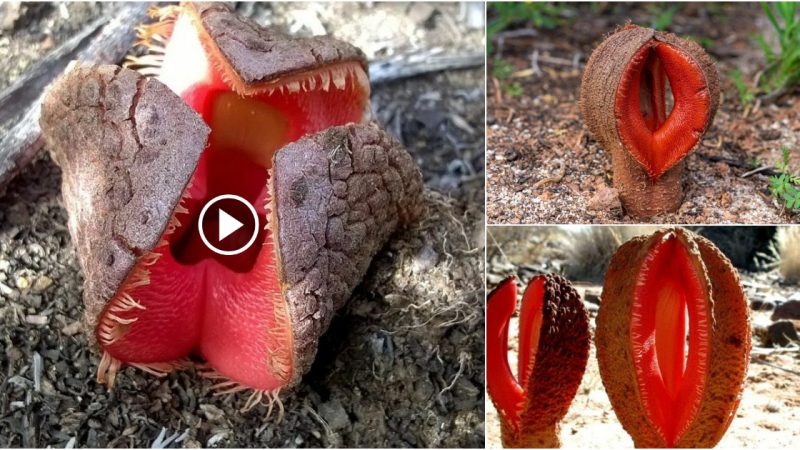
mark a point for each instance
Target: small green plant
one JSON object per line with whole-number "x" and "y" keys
{"x": 746, "y": 94}
{"x": 786, "y": 185}
{"x": 537, "y": 14}
{"x": 782, "y": 72}
{"x": 514, "y": 89}
{"x": 663, "y": 15}
{"x": 502, "y": 69}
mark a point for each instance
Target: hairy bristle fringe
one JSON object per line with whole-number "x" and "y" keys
{"x": 226, "y": 386}
{"x": 268, "y": 399}
{"x": 175, "y": 223}
{"x": 153, "y": 37}
{"x": 162, "y": 369}
{"x": 109, "y": 367}
{"x": 278, "y": 360}
{"x": 112, "y": 326}
{"x": 107, "y": 370}
{"x": 325, "y": 78}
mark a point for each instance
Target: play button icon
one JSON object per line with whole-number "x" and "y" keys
{"x": 234, "y": 227}
{"x": 227, "y": 224}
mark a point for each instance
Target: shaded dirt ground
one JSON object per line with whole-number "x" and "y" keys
{"x": 402, "y": 364}
{"x": 545, "y": 167}
{"x": 769, "y": 411}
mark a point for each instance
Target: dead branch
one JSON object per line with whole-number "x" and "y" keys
{"x": 420, "y": 63}
{"x": 105, "y": 40}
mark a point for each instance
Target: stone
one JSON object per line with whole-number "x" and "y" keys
{"x": 334, "y": 414}
{"x": 42, "y": 283}
{"x": 782, "y": 333}
{"x": 71, "y": 329}
{"x": 605, "y": 199}
{"x": 23, "y": 283}
{"x": 762, "y": 304}
{"x": 592, "y": 296}
{"x": 493, "y": 278}
{"x": 789, "y": 309}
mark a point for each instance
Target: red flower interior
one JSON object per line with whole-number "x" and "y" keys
{"x": 509, "y": 393}
{"x": 657, "y": 140}
{"x": 669, "y": 337}
{"x": 182, "y": 297}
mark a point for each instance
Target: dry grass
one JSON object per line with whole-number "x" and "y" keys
{"x": 580, "y": 253}
{"x": 789, "y": 253}
{"x": 588, "y": 250}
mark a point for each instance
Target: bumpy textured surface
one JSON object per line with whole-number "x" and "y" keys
{"x": 260, "y": 54}
{"x": 339, "y": 195}
{"x": 644, "y": 191}
{"x": 558, "y": 367}
{"x": 127, "y": 146}
{"x": 728, "y": 335}
{"x": 560, "y": 359}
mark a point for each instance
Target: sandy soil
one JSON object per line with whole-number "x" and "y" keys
{"x": 544, "y": 166}
{"x": 402, "y": 364}
{"x": 769, "y": 411}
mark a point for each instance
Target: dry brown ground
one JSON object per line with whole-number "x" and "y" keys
{"x": 540, "y": 136}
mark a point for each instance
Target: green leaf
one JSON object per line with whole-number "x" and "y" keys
{"x": 782, "y": 72}
{"x": 768, "y": 11}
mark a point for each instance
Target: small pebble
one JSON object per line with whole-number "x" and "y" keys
{"x": 5, "y": 290}
{"x": 71, "y": 329}
{"x": 23, "y": 283}
{"x": 42, "y": 283}
{"x": 36, "y": 319}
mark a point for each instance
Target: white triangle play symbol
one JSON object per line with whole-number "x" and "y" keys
{"x": 227, "y": 224}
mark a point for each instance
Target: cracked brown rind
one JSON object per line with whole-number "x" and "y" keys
{"x": 339, "y": 195}
{"x": 726, "y": 364}
{"x": 641, "y": 196}
{"x": 127, "y": 147}
{"x": 257, "y": 54}
{"x": 557, "y": 369}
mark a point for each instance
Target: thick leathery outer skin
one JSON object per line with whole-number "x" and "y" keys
{"x": 641, "y": 193}
{"x": 259, "y": 54}
{"x": 338, "y": 197}
{"x": 557, "y": 368}
{"x": 127, "y": 146}
{"x": 600, "y": 79}
{"x": 730, "y": 351}
{"x": 729, "y": 336}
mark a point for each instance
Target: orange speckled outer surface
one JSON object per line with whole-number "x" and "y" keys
{"x": 729, "y": 341}
{"x": 646, "y": 188}
{"x": 558, "y": 367}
